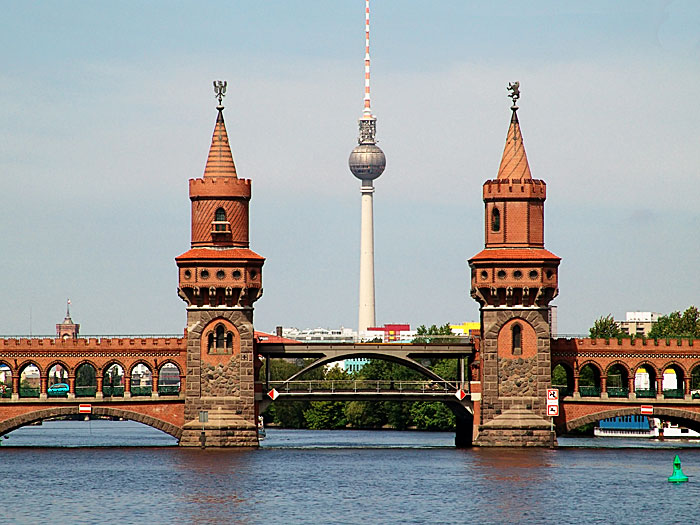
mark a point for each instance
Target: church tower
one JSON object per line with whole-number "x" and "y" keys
{"x": 514, "y": 279}
{"x": 219, "y": 279}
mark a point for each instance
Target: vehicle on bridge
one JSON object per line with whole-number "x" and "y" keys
{"x": 58, "y": 390}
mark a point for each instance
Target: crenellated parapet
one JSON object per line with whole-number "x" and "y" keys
{"x": 220, "y": 187}
{"x": 517, "y": 189}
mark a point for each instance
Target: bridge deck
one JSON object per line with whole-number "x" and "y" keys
{"x": 365, "y": 349}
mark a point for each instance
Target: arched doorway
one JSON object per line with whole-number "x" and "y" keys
{"x": 563, "y": 380}
{"x": 113, "y": 381}
{"x": 645, "y": 381}
{"x": 169, "y": 380}
{"x": 5, "y": 381}
{"x": 85, "y": 381}
{"x": 617, "y": 384}
{"x": 673, "y": 382}
{"x": 589, "y": 381}
{"x": 141, "y": 380}
{"x": 29, "y": 381}
{"x": 695, "y": 382}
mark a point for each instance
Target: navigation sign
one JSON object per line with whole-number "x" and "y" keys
{"x": 85, "y": 409}
{"x": 552, "y": 395}
{"x": 273, "y": 394}
{"x": 460, "y": 394}
{"x": 553, "y": 410}
{"x": 647, "y": 410}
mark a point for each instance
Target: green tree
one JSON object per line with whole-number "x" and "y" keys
{"x": 606, "y": 328}
{"x": 325, "y": 414}
{"x": 677, "y": 325}
{"x": 365, "y": 414}
{"x": 432, "y": 416}
{"x": 434, "y": 334}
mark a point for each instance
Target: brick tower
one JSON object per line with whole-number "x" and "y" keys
{"x": 513, "y": 279}
{"x": 220, "y": 278}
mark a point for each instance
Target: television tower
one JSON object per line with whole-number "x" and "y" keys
{"x": 367, "y": 162}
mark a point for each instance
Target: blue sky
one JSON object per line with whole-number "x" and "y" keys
{"x": 106, "y": 110}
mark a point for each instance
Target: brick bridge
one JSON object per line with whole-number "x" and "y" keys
{"x": 217, "y": 361}
{"x": 622, "y": 375}
{"x": 137, "y": 378}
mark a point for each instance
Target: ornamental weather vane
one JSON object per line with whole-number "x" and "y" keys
{"x": 219, "y": 89}
{"x": 514, "y": 88}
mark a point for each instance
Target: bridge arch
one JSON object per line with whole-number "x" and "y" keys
{"x": 30, "y": 417}
{"x": 689, "y": 418}
{"x": 60, "y": 363}
{"x": 621, "y": 364}
{"x": 169, "y": 362}
{"x": 85, "y": 362}
{"x": 146, "y": 364}
{"x": 407, "y": 362}
{"x": 29, "y": 362}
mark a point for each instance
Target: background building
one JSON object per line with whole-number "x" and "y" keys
{"x": 638, "y": 323}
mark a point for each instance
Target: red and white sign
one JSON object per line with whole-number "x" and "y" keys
{"x": 460, "y": 394}
{"x": 647, "y": 410}
{"x": 273, "y": 394}
{"x": 85, "y": 409}
{"x": 553, "y": 410}
{"x": 552, "y": 395}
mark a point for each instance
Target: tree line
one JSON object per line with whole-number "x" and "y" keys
{"x": 675, "y": 325}
{"x": 399, "y": 415}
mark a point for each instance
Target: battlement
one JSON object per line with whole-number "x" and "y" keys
{"x": 220, "y": 187}
{"x": 92, "y": 343}
{"x": 622, "y": 345}
{"x": 515, "y": 189}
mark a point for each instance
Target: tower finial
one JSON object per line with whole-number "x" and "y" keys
{"x": 367, "y": 113}
{"x": 220, "y": 91}
{"x": 514, "y": 88}
{"x": 68, "y": 309}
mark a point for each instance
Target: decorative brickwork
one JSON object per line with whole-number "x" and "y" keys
{"x": 513, "y": 279}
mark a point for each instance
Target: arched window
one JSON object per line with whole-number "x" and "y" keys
{"x": 220, "y": 223}
{"x": 495, "y": 220}
{"x": 517, "y": 339}
{"x": 220, "y": 336}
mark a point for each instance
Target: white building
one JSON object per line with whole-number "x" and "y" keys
{"x": 638, "y": 323}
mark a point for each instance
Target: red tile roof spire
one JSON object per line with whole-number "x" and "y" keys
{"x": 514, "y": 163}
{"x": 220, "y": 160}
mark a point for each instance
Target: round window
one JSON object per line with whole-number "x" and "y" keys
{"x": 550, "y": 273}
{"x": 236, "y": 274}
{"x": 204, "y": 274}
{"x": 484, "y": 275}
{"x": 220, "y": 274}
{"x": 187, "y": 274}
{"x": 517, "y": 274}
{"x": 253, "y": 274}
{"x": 533, "y": 274}
{"x": 501, "y": 274}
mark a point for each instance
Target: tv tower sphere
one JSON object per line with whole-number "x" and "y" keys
{"x": 367, "y": 161}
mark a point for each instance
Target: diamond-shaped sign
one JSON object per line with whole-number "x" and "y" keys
{"x": 273, "y": 394}
{"x": 460, "y": 394}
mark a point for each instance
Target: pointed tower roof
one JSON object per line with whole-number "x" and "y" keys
{"x": 514, "y": 163}
{"x": 220, "y": 160}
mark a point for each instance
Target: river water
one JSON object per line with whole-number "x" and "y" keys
{"x": 134, "y": 474}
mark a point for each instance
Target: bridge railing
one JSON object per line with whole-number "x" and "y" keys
{"x": 363, "y": 385}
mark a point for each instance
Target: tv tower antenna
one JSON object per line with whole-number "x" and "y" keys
{"x": 367, "y": 162}
{"x": 368, "y": 110}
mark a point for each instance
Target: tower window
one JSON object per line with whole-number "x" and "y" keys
{"x": 495, "y": 220}
{"x": 220, "y": 340}
{"x": 220, "y": 224}
{"x": 517, "y": 334}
